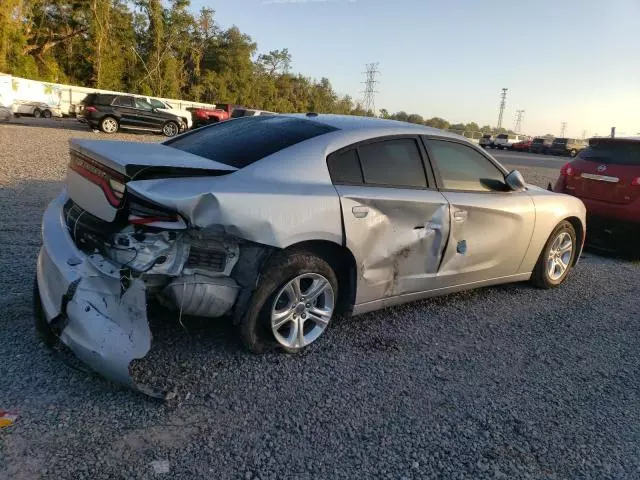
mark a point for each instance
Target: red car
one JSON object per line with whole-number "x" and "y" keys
{"x": 606, "y": 177}
{"x": 522, "y": 146}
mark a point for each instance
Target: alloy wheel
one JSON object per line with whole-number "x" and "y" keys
{"x": 559, "y": 256}
{"x": 170, "y": 129}
{"x": 109, "y": 125}
{"x": 302, "y": 310}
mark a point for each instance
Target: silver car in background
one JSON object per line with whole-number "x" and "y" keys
{"x": 281, "y": 223}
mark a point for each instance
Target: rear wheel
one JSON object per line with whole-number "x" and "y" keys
{"x": 109, "y": 125}
{"x": 292, "y": 306}
{"x": 37, "y": 113}
{"x": 573, "y": 152}
{"x": 556, "y": 258}
{"x": 170, "y": 129}
{"x": 46, "y": 114}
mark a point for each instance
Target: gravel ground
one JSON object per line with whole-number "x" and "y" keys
{"x": 504, "y": 382}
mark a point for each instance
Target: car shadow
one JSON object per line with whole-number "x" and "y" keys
{"x": 71, "y": 124}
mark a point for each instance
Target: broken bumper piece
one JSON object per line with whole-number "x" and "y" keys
{"x": 102, "y": 323}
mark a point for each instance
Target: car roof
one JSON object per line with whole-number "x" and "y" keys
{"x": 379, "y": 126}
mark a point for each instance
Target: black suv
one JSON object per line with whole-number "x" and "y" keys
{"x": 540, "y": 145}
{"x": 110, "y": 113}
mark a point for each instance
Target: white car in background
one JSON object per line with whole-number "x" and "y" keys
{"x": 5, "y": 113}
{"x": 506, "y": 140}
{"x": 166, "y": 107}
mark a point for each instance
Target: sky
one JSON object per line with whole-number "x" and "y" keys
{"x": 573, "y": 61}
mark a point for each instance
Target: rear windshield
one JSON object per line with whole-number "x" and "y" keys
{"x": 612, "y": 152}
{"x": 560, "y": 141}
{"x": 486, "y": 136}
{"x": 538, "y": 140}
{"x": 503, "y": 135}
{"x": 243, "y": 141}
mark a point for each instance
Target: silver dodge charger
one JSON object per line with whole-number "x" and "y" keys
{"x": 280, "y": 223}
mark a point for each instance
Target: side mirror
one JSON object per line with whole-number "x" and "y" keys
{"x": 515, "y": 181}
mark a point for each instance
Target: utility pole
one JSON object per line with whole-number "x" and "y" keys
{"x": 503, "y": 103}
{"x": 519, "y": 117}
{"x": 584, "y": 134}
{"x": 563, "y": 129}
{"x": 369, "y": 98}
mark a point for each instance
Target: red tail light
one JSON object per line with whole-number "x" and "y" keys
{"x": 636, "y": 182}
{"x": 110, "y": 182}
{"x": 567, "y": 170}
{"x": 90, "y": 109}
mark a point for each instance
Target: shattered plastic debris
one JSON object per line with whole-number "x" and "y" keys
{"x": 7, "y": 418}
{"x": 160, "y": 466}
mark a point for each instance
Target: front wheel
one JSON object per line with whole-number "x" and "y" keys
{"x": 46, "y": 114}
{"x": 292, "y": 306}
{"x": 573, "y": 152}
{"x": 557, "y": 257}
{"x": 170, "y": 129}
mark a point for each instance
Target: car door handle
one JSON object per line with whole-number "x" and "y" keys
{"x": 460, "y": 215}
{"x": 428, "y": 226}
{"x": 360, "y": 211}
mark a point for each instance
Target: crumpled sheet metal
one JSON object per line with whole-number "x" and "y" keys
{"x": 257, "y": 211}
{"x": 108, "y": 330}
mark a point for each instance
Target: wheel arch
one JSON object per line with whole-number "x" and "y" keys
{"x": 580, "y": 235}
{"x": 343, "y": 263}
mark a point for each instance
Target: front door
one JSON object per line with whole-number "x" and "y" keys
{"x": 145, "y": 116}
{"x": 396, "y": 224}
{"x": 491, "y": 226}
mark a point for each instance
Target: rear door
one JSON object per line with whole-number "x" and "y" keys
{"x": 491, "y": 226}
{"x": 396, "y": 223}
{"x": 608, "y": 170}
{"x": 123, "y": 106}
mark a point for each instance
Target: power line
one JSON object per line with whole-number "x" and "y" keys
{"x": 503, "y": 103}
{"x": 563, "y": 129}
{"x": 369, "y": 98}
{"x": 519, "y": 117}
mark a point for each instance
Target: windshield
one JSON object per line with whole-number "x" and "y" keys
{"x": 241, "y": 142}
{"x": 612, "y": 152}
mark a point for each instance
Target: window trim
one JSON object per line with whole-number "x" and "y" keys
{"x": 426, "y": 167}
{"x": 440, "y": 183}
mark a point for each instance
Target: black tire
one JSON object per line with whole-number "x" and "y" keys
{"x": 540, "y": 276}
{"x": 170, "y": 129}
{"x": 43, "y": 329}
{"x": 255, "y": 328}
{"x": 573, "y": 152}
{"x": 109, "y": 125}
{"x": 37, "y": 113}
{"x": 46, "y": 114}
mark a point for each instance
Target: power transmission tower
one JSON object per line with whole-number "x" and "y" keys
{"x": 519, "y": 116}
{"x": 584, "y": 134}
{"x": 563, "y": 129}
{"x": 369, "y": 98}
{"x": 503, "y": 103}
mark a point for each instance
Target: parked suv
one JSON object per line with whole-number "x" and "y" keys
{"x": 486, "y": 141}
{"x": 567, "y": 146}
{"x": 110, "y": 113}
{"x": 166, "y": 107}
{"x": 606, "y": 177}
{"x": 540, "y": 145}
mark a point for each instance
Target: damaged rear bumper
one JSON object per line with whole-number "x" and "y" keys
{"x": 103, "y": 325}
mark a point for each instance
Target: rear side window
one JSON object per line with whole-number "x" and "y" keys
{"x": 396, "y": 163}
{"x": 123, "y": 102}
{"x": 344, "y": 167}
{"x": 463, "y": 168}
{"x": 243, "y": 141}
{"x": 612, "y": 152}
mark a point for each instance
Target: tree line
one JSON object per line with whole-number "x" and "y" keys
{"x": 161, "y": 48}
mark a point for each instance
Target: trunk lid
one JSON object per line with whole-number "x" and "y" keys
{"x": 99, "y": 171}
{"x": 606, "y": 171}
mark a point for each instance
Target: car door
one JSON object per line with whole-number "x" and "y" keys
{"x": 123, "y": 107}
{"x": 395, "y": 222}
{"x": 491, "y": 225}
{"x": 146, "y": 116}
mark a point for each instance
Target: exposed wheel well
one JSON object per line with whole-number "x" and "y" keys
{"x": 579, "y": 228}
{"x": 343, "y": 264}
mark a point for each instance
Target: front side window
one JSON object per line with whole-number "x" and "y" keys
{"x": 463, "y": 168}
{"x": 394, "y": 163}
{"x": 142, "y": 104}
{"x": 157, "y": 103}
